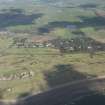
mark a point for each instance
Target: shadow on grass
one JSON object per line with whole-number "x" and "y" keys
{"x": 78, "y": 33}
{"x": 59, "y": 75}
{"x": 1, "y": 103}
{"x": 1, "y": 96}
{"x": 16, "y": 17}
{"x": 92, "y": 21}
{"x": 96, "y": 99}
{"x": 56, "y": 24}
{"x": 1, "y": 93}
{"x": 95, "y": 22}
{"x": 62, "y": 74}
{"x": 12, "y": 10}
{"x": 88, "y": 6}
{"x": 24, "y": 95}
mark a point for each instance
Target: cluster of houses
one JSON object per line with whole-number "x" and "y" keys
{"x": 17, "y": 76}
{"x": 34, "y": 42}
{"x": 100, "y": 13}
{"x": 74, "y": 44}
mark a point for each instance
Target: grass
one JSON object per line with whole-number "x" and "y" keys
{"x": 46, "y": 62}
{"x": 49, "y": 67}
{"x": 41, "y": 61}
{"x": 52, "y": 14}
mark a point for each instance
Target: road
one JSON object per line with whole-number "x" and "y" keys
{"x": 66, "y": 93}
{"x": 62, "y": 95}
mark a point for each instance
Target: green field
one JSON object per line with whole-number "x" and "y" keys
{"x": 50, "y": 17}
{"x": 49, "y": 67}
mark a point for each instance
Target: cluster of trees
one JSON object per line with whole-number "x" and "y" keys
{"x": 77, "y": 44}
{"x": 83, "y": 44}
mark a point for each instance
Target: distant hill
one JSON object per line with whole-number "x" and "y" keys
{"x": 54, "y": 1}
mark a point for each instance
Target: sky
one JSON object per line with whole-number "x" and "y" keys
{"x": 6, "y": 0}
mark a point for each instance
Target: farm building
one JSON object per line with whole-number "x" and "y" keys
{"x": 100, "y": 13}
{"x": 36, "y": 41}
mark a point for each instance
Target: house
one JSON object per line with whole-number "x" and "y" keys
{"x": 42, "y": 41}
{"x": 67, "y": 45}
{"x": 100, "y": 13}
{"x": 33, "y": 42}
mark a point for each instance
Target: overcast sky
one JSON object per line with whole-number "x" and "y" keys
{"x": 6, "y": 0}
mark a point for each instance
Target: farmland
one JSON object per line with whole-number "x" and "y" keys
{"x": 49, "y": 69}
{"x": 32, "y": 70}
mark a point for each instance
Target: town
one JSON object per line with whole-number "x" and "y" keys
{"x": 78, "y": 44}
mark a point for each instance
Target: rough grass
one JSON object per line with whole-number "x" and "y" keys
{"x": 46, "y": 62}
{"x": 43, "y": 61}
